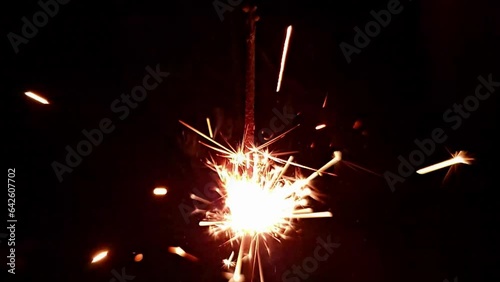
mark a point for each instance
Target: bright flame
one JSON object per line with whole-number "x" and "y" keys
{"x": 459, "y": 158}
{"x": 283, "y": 57}
{"x": 99, "y": 256}
{"x": 160, "y": 191}
{"x": 258, "y": 199}
{"x": 36, "y": 97}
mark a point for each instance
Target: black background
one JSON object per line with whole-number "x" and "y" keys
{"x": 399, "y": 86}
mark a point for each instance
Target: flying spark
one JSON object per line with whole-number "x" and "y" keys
{"x": 324, "y": 101}
{"x": 36, "y": 97}
{"x": 180, "y": 252}
{"x": 320, "y": 126}
{"x": 459, "y": 158}
{"x": 160, "y": 191}
{"x": 283, "y": 57}
{"x": 259, "y": 199}
{"x": 100, "y": 256}
{"x": 210, "y": 128}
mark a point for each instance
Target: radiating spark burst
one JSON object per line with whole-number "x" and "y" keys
{"x": 259, "y": 201}
{"x": 459, "y": 158}
{"x": 36, "y": 97}
{"x": 283, "y": 57}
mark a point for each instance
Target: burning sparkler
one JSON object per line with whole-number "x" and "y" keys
{"x": 259, "y": 200}
{"x": 459, "y": 158}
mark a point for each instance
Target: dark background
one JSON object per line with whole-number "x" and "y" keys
{"x": 424, "y": 61}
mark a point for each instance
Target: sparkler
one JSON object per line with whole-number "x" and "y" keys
{"x": 459, "y": 158}
{"x": 260, "y": 200}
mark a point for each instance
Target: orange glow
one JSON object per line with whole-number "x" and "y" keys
{"x": 138, "y": 257}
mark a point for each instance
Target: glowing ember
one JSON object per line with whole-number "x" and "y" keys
{"x": 36, "y": 97}
{"x": 160, "y": 191}
{"x": 138, "y": 257}
{"x": 259, "y": 199}
{"x": 459, "y": 158}
{"x": 100, "y": 256}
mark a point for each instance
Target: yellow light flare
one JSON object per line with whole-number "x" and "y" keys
{"x": 320, "y": 126}
{"x": 283, "y": 57}
{"x": 180, "y": 252}
{"x": 259, "y": 199}
{"x": 459, "y": 158}
{"x": 160, "y": 191}
{"x": 100, "y": 256}
{"x": 36, "y": 97}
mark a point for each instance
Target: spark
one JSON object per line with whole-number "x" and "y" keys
{"x": 229, "y": 261}
{"x": 36, "y": 97}
{"x": 100, "y": 256}
{"x": 209, "y": 128}
{"x": 260, "y": 200}
{"x": 324, "y": 101}
{"x": 160, "y": 191}
{"x": 138, "y": 257}
{"x": 320, "y": 126}
{"x": 180, "y": 252}
{"x": 283, "y": 57}
{"x": 459, "y": 158}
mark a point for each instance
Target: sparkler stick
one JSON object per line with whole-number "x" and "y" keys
{"x": 458, "y": 159}
{"x": 283, "y": 57}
